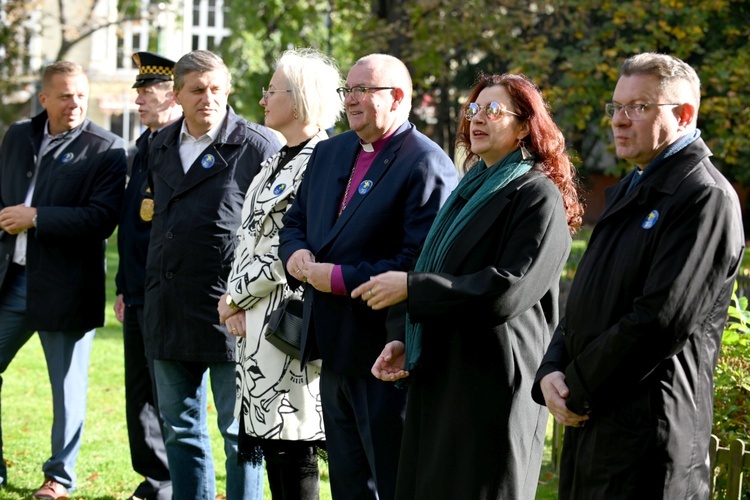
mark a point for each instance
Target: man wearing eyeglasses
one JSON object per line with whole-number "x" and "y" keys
{"x": 630, "y": 367}
{"x": 365, "y": 205}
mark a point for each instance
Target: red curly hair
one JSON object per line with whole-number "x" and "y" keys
{"x": 545, "y": 140}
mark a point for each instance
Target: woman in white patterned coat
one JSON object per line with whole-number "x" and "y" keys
{"x": 278, "y": 402}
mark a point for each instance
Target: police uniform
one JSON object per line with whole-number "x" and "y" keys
{"x": 147, "y": 452}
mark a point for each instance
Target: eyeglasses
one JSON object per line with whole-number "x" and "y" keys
{"x": 266, "y": 92}
{"x": 358, "y": 92}
{"x": 494, "y": 111}
{"x": 633, "y": 112}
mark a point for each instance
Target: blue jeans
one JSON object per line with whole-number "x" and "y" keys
{"x": 183, "y": 401}
{"x": 67, "y": 356}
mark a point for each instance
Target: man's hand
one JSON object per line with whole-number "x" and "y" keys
{"x": 120, "y": 308}
{"x": 389, "y": 366}
{"x": 296, "y": 264}
{"x": 17, "y": 218}
{"x": 318, "y": 275}
{"x": 555, "y": 392}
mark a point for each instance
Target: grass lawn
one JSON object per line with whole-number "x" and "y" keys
{"x": 103, "y": 467}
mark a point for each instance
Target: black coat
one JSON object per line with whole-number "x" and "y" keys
{"x": 472, "y": 430}
{"x": 78, "y": 195}
{"x": 192, "y": 243}
{"x": 133, "y": 232}
{"x": 642, "y": 332}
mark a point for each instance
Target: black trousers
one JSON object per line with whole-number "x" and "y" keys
{"x": 147, "y": 453}
{"x": 364, "y": 421}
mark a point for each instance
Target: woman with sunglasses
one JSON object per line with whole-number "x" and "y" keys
{"x": 482, "y": 302}
{"x": 278, "y": 401}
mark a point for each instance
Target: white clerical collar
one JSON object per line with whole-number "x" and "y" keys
{"x": 367, "y": 147}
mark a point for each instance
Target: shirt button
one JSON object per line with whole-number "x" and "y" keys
{"x": 170, "y": 275}
{"x": 169, "y": 235}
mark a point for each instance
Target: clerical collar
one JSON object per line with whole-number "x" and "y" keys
{"x": 375, "y": 146}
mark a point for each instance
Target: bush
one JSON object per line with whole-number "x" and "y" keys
{"x": 732, "y": 378}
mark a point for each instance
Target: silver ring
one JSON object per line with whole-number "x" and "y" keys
{"x": 299, "y": 271}
{"x": 370, "y": 292}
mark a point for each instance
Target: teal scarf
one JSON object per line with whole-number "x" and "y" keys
{"x": 477, "y": 188}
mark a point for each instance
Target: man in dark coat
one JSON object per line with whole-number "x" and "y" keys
{"x": 61, "y": 183}
{"x": 157, "y": 109}
{"x": 200, "y": 168}
{"x": 630, "y": 368}
{"x": 364, "y": 207}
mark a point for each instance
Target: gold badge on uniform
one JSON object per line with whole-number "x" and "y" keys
{"x": 147, "y": 207}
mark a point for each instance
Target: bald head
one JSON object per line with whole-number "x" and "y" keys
{"x": 391, "y": 72}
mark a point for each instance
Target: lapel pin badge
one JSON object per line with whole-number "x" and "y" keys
{"x": 650, "y": 219}
{"x": 208, "y": 161}
{"x": 364, "y": 187}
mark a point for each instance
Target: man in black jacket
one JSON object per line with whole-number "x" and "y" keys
{"x": 157, "y": 109}
{"x": 200, "y": 168}
{"x": 630, "y": 368}
{"x": 61, "y": 185}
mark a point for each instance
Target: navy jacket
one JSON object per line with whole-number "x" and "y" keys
{"x": 78, "y": 195}
{"x": 192, "y": 242}
{"x": 380, "y": 230}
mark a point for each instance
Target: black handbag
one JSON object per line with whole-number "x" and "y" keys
{"x": 284, "y": 328}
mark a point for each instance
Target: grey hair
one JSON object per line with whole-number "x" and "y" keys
{"x": 201, "y": 61}
{"x": 313, "y": 78}
{"x": 668, "y": 69}
{"x": 61, "y": 68}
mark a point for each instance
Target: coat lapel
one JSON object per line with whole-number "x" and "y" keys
{"x": 480, "y": 224}
{"x": 209, "y": 163}
{"x": 379, "y": 167}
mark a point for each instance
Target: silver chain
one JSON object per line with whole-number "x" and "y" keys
{"x": 344, "y": 203}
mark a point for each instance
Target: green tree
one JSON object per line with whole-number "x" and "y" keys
{"x": 272, "y": 26}
{"x": 16, "y": 85}
{"x": 573, "y": 49}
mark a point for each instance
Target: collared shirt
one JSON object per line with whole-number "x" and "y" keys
{"x": 191, "y": 148}
{"x": 19, "y": 255}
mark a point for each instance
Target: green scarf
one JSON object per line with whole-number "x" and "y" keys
{"x": 477, "y": 188}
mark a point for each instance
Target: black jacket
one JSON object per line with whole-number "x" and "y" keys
{"x": 488, "y": 316}
{"x": 642, "y": 332}
{"x": 133, "y": 232}
{"x": 78, "y": 195}
{"x": 192, "y": 242}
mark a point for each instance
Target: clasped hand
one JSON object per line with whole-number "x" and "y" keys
{"x": 555, "y": 392}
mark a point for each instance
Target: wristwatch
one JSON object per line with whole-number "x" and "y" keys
{"x": 231, "y": 303}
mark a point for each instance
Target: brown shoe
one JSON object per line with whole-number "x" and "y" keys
{"x": 51, "y": 490}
